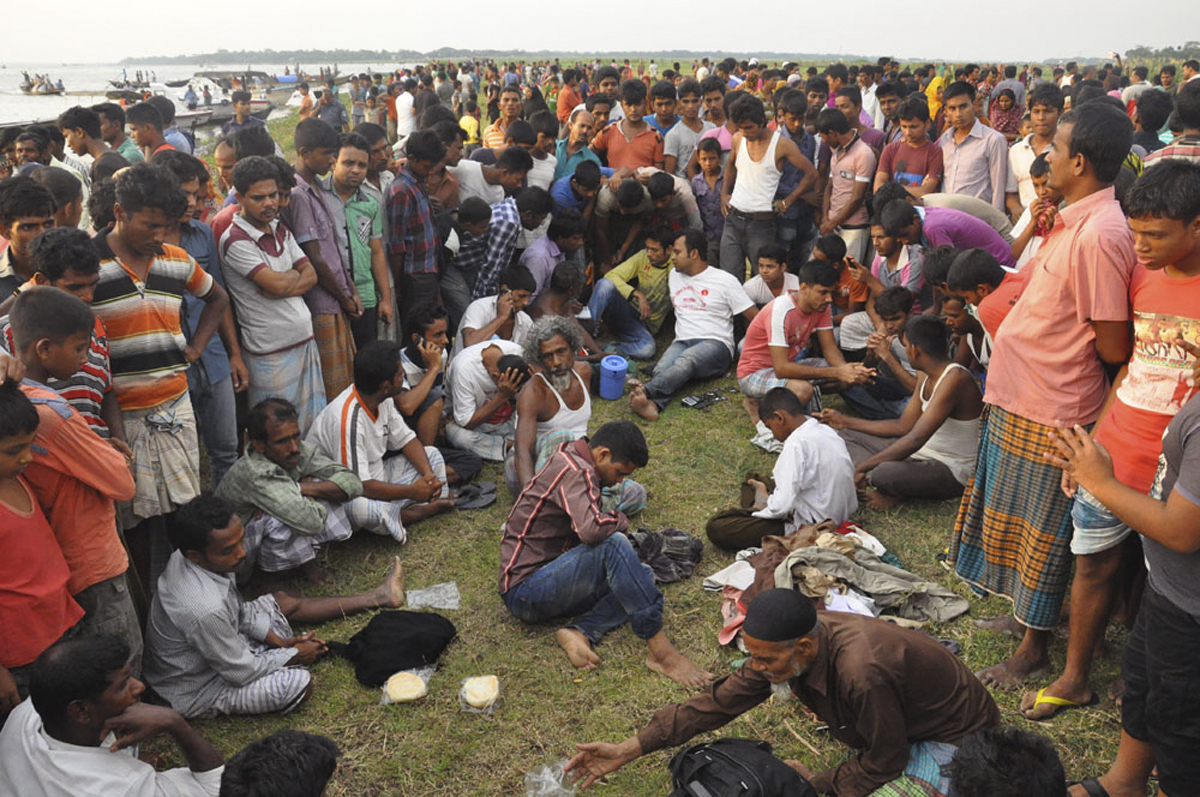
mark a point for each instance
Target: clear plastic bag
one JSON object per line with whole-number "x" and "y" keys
{"x": 466, "y": 706}
{"x": 424, "y": 673}
{"x": 549, "y": 780}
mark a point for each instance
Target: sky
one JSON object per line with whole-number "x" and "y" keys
{"x": 1048, "y": 29}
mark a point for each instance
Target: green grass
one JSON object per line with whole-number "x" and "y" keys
{"x": 434, "y": 748}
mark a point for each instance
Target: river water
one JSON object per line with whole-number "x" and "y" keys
{"x": 86, "y": 83}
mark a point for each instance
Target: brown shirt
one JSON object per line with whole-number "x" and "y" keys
{"x": 878, "y": 687}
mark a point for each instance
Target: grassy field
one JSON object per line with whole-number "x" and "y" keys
{"x": 432, "y": 747}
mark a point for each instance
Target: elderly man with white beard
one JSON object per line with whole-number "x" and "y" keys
{"x": 554, "y": 408}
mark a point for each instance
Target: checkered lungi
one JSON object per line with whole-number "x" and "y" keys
{"x": 757, "y": 384}
{"x": 293, "y": 374}
{"x": 275, "y": 547}
{"x": 923, "y": 775}
{"x": 1013, "y": 532}
{"x": 278, "y": 691}
{"x": 166, "y": 459}
{"x": 335, "y": 344}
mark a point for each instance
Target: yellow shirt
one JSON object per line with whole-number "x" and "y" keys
{"x": 471, "y": 125}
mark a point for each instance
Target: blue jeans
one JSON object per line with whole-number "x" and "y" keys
{"x": 880, "y": 400}
{"x": 622, "y": 320}
{"x": 216, "y": 419}
{"x": 683, "y": 361}
{"x": 602, "y": 586}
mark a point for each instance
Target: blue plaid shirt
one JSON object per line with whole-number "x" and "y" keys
{"x": 489, "y": 254}
{"x": 411, "y": 232}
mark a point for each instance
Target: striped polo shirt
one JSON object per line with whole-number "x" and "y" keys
{"x": 145, "y": 338}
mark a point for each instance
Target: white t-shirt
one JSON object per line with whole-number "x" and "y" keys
{"x": 760, "y": 293}
{"x": 471, "y": 182}
{"x": 266, "y": 324}
{"x": 1034, "y": 244}
{"x": 706, "y": 304}
{"x": 406, "y": 122}
{"x": 680, "y": 141}
{"x": 814, "y": 479}
{"x": 470, "y": 384}
{"x": 355, "y": 438}
{"x": 482, "y": 312}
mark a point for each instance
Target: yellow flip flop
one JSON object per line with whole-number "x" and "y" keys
{"x": 1059, "y": 703}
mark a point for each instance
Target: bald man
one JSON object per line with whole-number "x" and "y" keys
{"x": 897, "y": 696}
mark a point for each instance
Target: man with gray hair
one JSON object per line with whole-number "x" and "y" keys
{"x": 554, "y": 408}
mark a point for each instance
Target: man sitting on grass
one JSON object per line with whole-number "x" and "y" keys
{"x": 813, "y": 479}
{"x": 208, "y": 651}
{"x": 404, "y": 481}
{"x": 484, "y": 380}
{"x": 896, "y": 696}
{"x": 563, "y": 556}
{"x": 706, "y": 300}
{"x": 929, "y": 451}
{"x": 774, "y": 352}
{"x": 290, "y": 496}
{"x": 555, "y": 407}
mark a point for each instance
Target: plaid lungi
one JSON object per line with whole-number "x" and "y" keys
{"x": 335, "y": 344}
{"x": 275, "y": 547}
{"x": 757, "y": 384}
{"x": 1013, "y": 532}
{"x": 293, "y": 374}
{"x": 166, "y": 459}
{"x": 923, "y": 775}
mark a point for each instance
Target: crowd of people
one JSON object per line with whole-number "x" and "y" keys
{"x": 995, "y": 271}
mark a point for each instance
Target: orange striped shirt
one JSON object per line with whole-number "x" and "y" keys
{"x": 146, "y": 341}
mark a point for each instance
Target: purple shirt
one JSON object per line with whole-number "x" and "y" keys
{"x": 308, "y": 219}
{"x": 541, "y": 258}
{"x": 962, "y": 231}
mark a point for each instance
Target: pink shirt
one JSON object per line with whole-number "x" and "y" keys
{"x": 780, "y": 323}
{"x": 848, "y": 166}
{"x": 1044, "y": 365}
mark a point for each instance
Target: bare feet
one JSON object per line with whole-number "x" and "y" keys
{"x": 664, "y": 659}
{"x": 1014, "y": 672}
{"x": 391, "y": 591}
{"x": 1079, "y": 695}
{"x": 415, "y": 512}
{"x": 315, "y": 573}
{"x": 577, "y": 648}
{"x": 750, "y": 405}
{"x": 1002, "y": 624}
{"x": 880, "y": 501}
{"x": 640, "y": 403}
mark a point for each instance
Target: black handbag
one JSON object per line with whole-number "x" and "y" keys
{"x": 735, "y": 768}
{"x": 393, "y": 641}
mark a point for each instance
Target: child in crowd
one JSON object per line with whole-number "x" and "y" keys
{"x": 929, "y": 451}
{"x": 1038, "y": 219}
{"x": 76, "y": 475}
{"x": 708, "y": 185}
{"x": 34, "y": 601}
{"x": 888, "y": 393}
{"x": 978, "y": 287}
{"x": 849, "y": 295}
{"x": 812, "y": 479}
{"x": 772, "y": 279}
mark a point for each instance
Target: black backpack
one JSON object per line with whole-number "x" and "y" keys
{"x": 735, "y": 768}
{"x": 395, "y": 641}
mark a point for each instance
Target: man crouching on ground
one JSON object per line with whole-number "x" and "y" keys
{"x": 562, "y": 556}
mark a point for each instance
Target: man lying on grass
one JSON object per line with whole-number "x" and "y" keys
{"x": 563, "y": 556}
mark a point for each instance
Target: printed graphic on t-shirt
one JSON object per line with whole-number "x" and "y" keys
{"x": 690, "y": 298}
{"x": 1160, "y": 371}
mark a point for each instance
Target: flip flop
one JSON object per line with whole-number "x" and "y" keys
{"x": 1060, "y": 704}
{"x": 477, "y": 501}
{"x": 486, "y": 487}
{"x": 1091, "y": 786}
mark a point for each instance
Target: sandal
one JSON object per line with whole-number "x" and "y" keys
{"x": 1060, "y": 704}
{"x": 1091, "y": 786}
